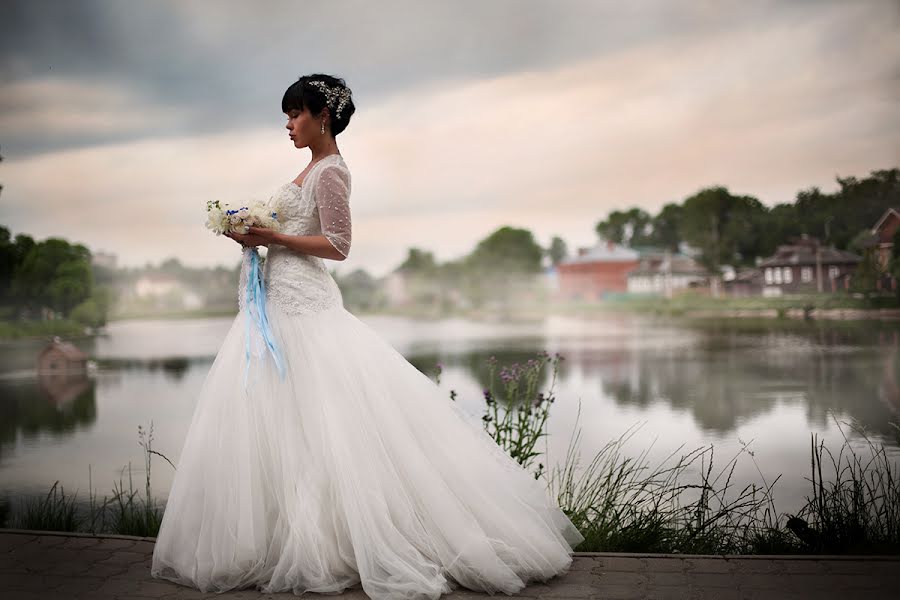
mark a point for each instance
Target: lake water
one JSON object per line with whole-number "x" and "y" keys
{"x": 769, "y": 385}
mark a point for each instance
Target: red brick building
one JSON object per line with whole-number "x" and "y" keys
{"x": 596, "y": 271}
{"x": 884, "y": 230}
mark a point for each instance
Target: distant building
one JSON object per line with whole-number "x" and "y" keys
{"x": 806, "y": 266}
{"x": 749, "y": 282}
{"x": 596, "y": 271}
{"x": 166, "y": 288}
{"x": 61, "y": 357}
{"x": 884, "y": 230}
{"x": 104, "y": 259}
{"x": 664, "y": 273}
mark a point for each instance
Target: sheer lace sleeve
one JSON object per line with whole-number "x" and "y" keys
{"x": 333, "y": 199}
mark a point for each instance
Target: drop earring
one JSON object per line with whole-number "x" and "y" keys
{"x": 323, "y": 126}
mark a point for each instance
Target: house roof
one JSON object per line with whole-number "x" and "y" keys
{"x": 655, "y": 263}
{"x": 804, "y": 253}
{"x": 67, "y": 349}
{"x": 604, "y": 251}
{"x": 884, "y": 218}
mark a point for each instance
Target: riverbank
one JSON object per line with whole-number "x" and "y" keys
{"x": 50, "y": 565}
{"x": 831, "y": 307}
{"x": 806, "y": 306}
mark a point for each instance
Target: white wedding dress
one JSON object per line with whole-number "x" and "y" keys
{"x": 355, "y": 468}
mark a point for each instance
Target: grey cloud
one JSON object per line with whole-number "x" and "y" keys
{"x": 225, "y": 64}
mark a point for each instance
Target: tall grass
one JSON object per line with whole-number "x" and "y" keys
{"x": 687, "y": 502}
{"x": 622, "y": 503}
{"x": 125, "y": 512}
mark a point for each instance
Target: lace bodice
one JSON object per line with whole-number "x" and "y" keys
{"x": 297, "y": 282}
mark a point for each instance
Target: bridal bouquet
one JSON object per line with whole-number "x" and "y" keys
{"x": 221, "y": 219}
{"x": 252, "y": 293}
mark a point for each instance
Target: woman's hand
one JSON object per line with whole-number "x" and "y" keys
{"x": 255, "y": 236}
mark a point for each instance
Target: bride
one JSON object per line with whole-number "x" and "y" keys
{"x": 341, "y": 464}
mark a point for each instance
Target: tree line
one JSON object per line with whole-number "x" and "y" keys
{"x": 725, "y": 228}
{"x": 735, "y": 229}
{"x": 51, "y": 279}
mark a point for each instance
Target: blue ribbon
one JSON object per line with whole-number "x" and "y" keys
{"x": 256, "y": 310}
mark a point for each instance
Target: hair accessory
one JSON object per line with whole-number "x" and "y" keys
{"x": 337, "y": 94}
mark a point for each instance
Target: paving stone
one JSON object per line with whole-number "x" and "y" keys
{"x": 615, "y": 563}
{"x": 580, "y": 563}
{"x": 570, "y": 591}
{"x": 664, "y": 565}
{"x": 77, "y": 543}
{"x": 618, "y": 592}
{"x": 621, "y": 578}
{"x": 79, "y": 586}
{"x": 678, "y": 592}
{"x": 49, "y": 541}
{"x": 716, "y": 593}
{"x": 713, "y": 580}
{"x": 534, "y": 590}
{"x": 799, "y": 567}
{"x": 122, "y": 557}
{"x": 9, "y": 542}
{"x": 116, "y": 544}
{"x": 708, "y": 565}
{"x": 760, "y": 582}
{"x": 97, "y": 568}
{"x": 758, "y": 567}
{"x": 581, "y": 577}
{"x": 667, "y": 579}
{"x": 107, "y": 570}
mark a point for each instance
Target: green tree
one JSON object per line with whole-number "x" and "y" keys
{"x": 418, "y": 261}
{"x": 866, "y": 274}
{"x": 726, "y": 228}
{"x": 666, "y": 227}
{"x": 508, "y": 249}
{"x": 54, "y": 274}
{"x": 632, "y": 227}
{"x": 557, "y": 250}
{"x": 8, "y": 261}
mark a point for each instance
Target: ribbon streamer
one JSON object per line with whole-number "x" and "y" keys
{"x": 255, "y": 302}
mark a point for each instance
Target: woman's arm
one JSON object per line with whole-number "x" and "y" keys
{"x": 316, "y": 245}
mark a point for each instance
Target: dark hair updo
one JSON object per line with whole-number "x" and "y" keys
{"x": 301, "y": 95}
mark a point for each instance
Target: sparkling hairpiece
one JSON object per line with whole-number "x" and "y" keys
{"x": 338, "y": 93}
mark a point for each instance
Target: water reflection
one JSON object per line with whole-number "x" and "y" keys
{"x": 56, "y": 405}
{"x": 702, "y": 382}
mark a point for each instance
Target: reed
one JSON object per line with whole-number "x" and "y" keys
{"x": 125, "y": 512}
{"x": 685, "y": 503}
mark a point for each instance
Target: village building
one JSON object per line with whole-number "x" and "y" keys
{"x": 665, "y": 273}
{"x": 165, "y": 291}
{"x": 747, "y": 282}
{"x": 596, "y": 271}
{"x": 60, "y": 356}
{"x": 806, "y": 266}
{"x": 884, "y": 231}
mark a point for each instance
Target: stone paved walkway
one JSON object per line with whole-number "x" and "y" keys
{"x": 50, "y": 566}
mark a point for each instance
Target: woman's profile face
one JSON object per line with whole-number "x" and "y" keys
{"x": 302, "y": 127}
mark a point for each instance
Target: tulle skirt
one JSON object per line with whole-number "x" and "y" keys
{"x": 355, "y": 468}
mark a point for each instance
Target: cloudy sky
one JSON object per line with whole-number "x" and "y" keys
{"x": 118, "y": 120}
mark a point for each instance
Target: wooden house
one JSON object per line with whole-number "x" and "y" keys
{"x": 665, "y": 273}
{"x": 805, "y": 266}
{"x": 61, "y": 357}
{"x": 884, "y": 231}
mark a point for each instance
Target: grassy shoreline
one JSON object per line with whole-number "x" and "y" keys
{"x": 620, "y": 502}
{"x": 806, "y": 306}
